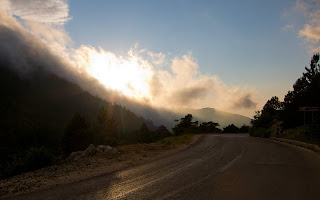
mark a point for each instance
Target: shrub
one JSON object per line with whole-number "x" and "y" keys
{"x": 38, "y": 157}
{"x": 77, "y": 134}
{"x": 34, "y": 158}
{"x": 259, "y": 132}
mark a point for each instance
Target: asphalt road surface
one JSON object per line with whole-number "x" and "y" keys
{"x": 229, "y": 166}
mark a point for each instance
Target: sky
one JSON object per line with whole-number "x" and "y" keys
{"x": 230, "y": 55}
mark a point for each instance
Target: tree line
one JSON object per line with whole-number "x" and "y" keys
{"x": 186, "y": 125}
{"x": 78, "y": 134}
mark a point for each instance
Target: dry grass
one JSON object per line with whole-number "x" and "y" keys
{"x": 174, "y": 141}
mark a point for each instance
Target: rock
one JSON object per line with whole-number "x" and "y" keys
{"x": 107, "y": 149}
{"x": 91, "y": 150}
{"x": 114, "y": 151}
{"x": 102, "y": 148}
{"x": 75, "y": 156}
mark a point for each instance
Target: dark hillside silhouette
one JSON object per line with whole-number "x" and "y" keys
{"x": 38, "y": 110}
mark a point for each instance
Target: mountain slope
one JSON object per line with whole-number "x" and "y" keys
{"x": 35, "y": 108}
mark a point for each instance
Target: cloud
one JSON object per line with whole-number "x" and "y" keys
{"x": 23, "y": 49}
{"x": 157, "y": 58}
{"x": 49, "y": 11}
{"x": 45, "y": 19}
{"x": 310, "y": 31}
{"x": 187, "y": 87}
{"x": 302, "y": 6}
{"x": 189, "y": 95}
{"x": 245, "y": 102}
{"x": 32, "y": 34}
{"x": 288, "y": 27}
{"x": 185, "y": 68}
{"x": 49, "y": 33}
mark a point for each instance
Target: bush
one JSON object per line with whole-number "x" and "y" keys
{"x": 38, "y": 157}
{"x": 77, "y": 134}
{"x": 34, "y": 158}
{"x": 259, "y": 132}
{"x": 144, "y": 134}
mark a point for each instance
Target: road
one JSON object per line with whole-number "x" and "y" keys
{"x": 229, "y": 166}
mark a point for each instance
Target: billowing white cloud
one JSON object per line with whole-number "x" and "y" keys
{"x": 157, "y": 58}
{"x": 188, "y": 87}
{"x": 38, "y": 26}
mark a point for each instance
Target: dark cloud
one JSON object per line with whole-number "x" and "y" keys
{"x": 186, "y": 96}
{"x": 245, "y": 102}
{"x": 24, "y": 52}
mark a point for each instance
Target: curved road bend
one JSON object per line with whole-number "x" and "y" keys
{"x": 230, "y": 166}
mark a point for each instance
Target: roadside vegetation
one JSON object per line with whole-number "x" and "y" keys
{"x": 298, "y": 116}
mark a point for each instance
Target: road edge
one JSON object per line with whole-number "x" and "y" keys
{"x": 312, "y": 147}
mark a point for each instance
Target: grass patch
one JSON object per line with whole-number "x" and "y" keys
{"x": 161, "y": 145}
{"x": 175, "y": 141}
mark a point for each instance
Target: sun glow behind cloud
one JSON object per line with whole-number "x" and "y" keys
{"x": 125, "y": 75}
{"x": 139, "y": 76}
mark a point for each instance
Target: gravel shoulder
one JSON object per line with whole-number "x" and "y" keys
{"x": 98, "y": 164}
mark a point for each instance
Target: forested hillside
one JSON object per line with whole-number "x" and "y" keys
{"x": 37, "y": 107}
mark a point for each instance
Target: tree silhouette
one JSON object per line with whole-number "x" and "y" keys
{"x": 209, "y": 127}
{"x": 231, "y": 129}
{"x": 184, "y": 125}
{"x": 306, "y": 88}
{"x": 161, "y": 132}
{"x": 144, "y": 134}
{"x": 273, "y": 104}
{"x": 106, "y": 129}
{"x": 77, "y": 134}
{"x": 305, "y": 93}
{"x": 244, "y": 129}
